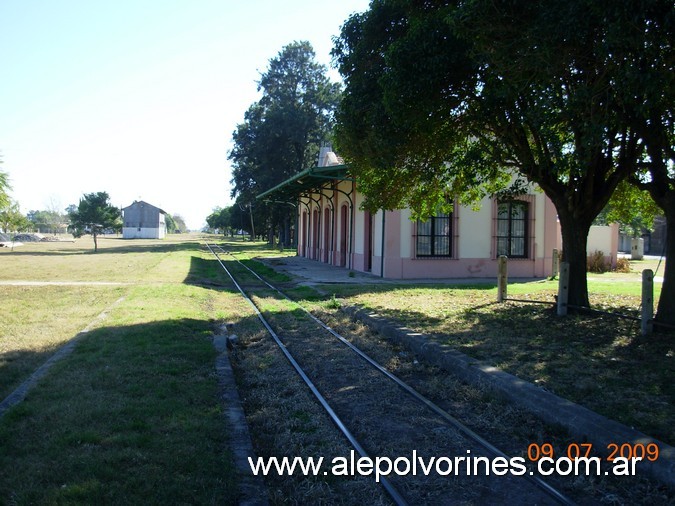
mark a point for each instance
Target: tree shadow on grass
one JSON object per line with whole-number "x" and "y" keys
{"x": 208, "y": 273}
{"x": 130, "y": 246}
{"x": 17, "y": 365}
{"x": 598, "y": 361}
{"x": 131, "y": 415}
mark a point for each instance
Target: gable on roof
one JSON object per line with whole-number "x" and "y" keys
{"x": 142, "y": 204}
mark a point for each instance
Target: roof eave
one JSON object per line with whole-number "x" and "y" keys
{"x": 330, "y": 172}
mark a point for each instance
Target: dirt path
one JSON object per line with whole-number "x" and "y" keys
{"x": 63, "y": 283}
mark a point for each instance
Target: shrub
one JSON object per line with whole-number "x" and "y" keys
{"x": 596, "y": 262}
{"x": 333, "y": 303}
{"x": 622, "y": 265}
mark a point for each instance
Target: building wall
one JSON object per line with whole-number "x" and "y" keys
{"x": 143, "y": 221}
{"x": 143, "y": 233}
{"x": 346, "y": 241}
{"x": 604, "y": 238}
{"x": 471, "y": 243}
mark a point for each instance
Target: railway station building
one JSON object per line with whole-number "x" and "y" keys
{"x": 465, "y": 243}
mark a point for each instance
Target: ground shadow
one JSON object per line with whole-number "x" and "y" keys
{"x": 207, "y": 273}
{"x": 17, "y": 365}
{"x": 129, "y": 246}
{"x": 598, "y": 361}
{"x": 595, "y": 360}
{"x": 129, "y": 416}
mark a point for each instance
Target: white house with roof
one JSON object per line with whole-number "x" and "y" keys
{"x": 143, "y": 221}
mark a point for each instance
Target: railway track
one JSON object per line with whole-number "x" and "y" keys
{"x": 382, "y": 416}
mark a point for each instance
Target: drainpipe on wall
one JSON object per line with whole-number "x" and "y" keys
{"x": 297, "y": 228}
{"x": 382, "y": 252}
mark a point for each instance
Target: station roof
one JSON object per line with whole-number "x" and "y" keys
{"x": 309, "y": 180}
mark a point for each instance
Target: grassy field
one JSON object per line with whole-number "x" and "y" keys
{"x": 132, "y": 415}
{"x": 598, "y": 361}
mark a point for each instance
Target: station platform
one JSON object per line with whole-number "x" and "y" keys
{"x": 314, "y": 272}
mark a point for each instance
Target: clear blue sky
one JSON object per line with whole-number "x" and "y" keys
{"x": 139, "y": 98}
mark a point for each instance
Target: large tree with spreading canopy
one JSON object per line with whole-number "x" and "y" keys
{"x": 450, "y": 97}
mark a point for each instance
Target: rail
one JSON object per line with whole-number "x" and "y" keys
{"x": 452, "y": 421}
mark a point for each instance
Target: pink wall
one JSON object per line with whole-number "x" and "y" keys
{"x": 543, "y": 241}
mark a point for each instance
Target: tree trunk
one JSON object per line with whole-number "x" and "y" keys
{"x": 270, "y": 235}
{"x": 574, "y": 239}
{"x": 95, "y": 242}
{"x": 250, "y": 212}
{"x": 666, "y": 309}
{"x": 287, "y": 232}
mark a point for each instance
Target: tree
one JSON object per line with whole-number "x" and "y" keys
{"x": 5, "y": 187}
{"x": 647, "y": 77}
{"x": 11, "y": 219}
{"x": 282, "y": 132}
{"x": 221, "y": 220}
{"x": 450, "y": 98}
{"x": 47, "y": 221}
{"x": 213, "y": 220}
{"x": 181, "y": 227}
{"x": 661, "y": 186}
{"x": 93, "y": 215}
{"x": 171, "y": 226}
{"x": 630, "y": 207}
{"x": 10, "y": 213}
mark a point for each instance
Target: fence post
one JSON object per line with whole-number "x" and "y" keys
{"x": 556, "y": 263}
{"x": 646, "y": 317}
{"x": 563, "y": 288}
{"x": 502, "y": 278}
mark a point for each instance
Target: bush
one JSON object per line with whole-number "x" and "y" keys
{"x": 622, "y": 265}
{"x": 596, "y": 262}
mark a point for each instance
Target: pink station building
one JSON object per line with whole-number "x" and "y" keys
{"x": 466, "y": 243}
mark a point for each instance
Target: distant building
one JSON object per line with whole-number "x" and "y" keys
{"x": 654, "y": 241}
{"x": 143, "y": 221}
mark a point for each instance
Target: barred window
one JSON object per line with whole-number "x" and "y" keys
{"x": 512, "y": 233}
{"x": 434, "y": 236}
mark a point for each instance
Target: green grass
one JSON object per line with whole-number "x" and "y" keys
{"x": 262, "y": 270}
{"x": 117, "y": 260}
{"x": 597, "y": 360}
{"x": 258, "y": 250}
{"x": 132, "y": 416}
{"x": 36, "y": 320}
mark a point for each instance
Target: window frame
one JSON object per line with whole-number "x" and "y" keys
{"x": 434, "y": 236}
{"x": 510, "y": 220}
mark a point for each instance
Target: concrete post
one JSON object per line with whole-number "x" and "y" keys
{"x": 637, "y": 248}
{"x": 646, "y": 318}
{"x": 563, "y": 288}
{"x": 556, "y": 263}
{"x": 502, "y": 278}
